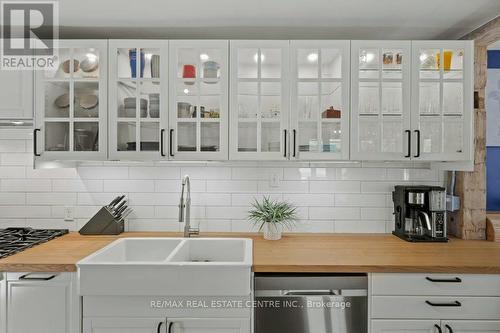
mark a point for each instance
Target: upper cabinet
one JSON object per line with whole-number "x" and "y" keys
{"x": 442, "y": 100}
{"x": 71, "y": 103}
{"x": 138, "y": 111}
{"x": 251, "y": 100}
{"x": 198, "y": 93}
{"x": 260, "y": 103}
{"x": 320, "y": 100}
{"x": 16, "y": 94}
{"x": 380, "y": 100}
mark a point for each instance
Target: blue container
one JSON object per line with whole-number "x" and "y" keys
{"x": 132, "y": 54}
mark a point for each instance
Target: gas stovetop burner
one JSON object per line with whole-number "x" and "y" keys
{"x": 13, "y": 240}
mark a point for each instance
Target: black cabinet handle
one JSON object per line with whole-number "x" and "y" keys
{"x": 454, "y": 280}
{"x": 449, "y": 328}
{"x": 418, "y": 143}
{"x": 284, "y": 132}
{"x": 453, "y": 304}
{"x": 438, "y": 327}
{"x": 162, "y": 134}
{"x": 159, "y": 327}
{"x": 171, "y": 151}
{"x": 169, "y": 326}
{"x": 26, "y": 277}
{"x": 35, "y": 141}
{"x": 408, "y": 132}
{"x": 294, "y": 142}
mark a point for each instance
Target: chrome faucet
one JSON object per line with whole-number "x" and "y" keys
{"x": 185, "y": 209}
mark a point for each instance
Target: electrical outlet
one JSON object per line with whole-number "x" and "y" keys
{"x": 274, "y": 180}
{"x": 69, "y": 213}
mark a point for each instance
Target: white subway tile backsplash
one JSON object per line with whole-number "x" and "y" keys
{"x": 334, "y": 186}
{"x": 77, "y": 185}
{"x": 338, "y": 197}
{"x": 51, "y": 198}
{"x": 138, "y": 172}
{"x": 334, "y": 213}
{"x": 14, "y": 199}
{"x": 25, "y": 185}
{"x": 129, "y": 186}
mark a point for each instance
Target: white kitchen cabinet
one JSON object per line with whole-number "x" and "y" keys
{"x": 442, "y": 100}
{"x": 138, "y": 114}
{"x": 405, "y": 326}
{"x": 16, "y": 94}
{"x": 208, "y": 325}
{"x": 42, "y": 302}
{"x": 320, "y": 100}
{"x": 124, "y": 325}
{"x": 470, "y": 326}
{"x": 71, "y": 104}
{"x": 380, "y": 100}
{"x": 198, "y": 99}
{"x": 260, "y": 100}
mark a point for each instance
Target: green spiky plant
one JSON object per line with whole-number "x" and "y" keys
{"x": 271, "y": 211}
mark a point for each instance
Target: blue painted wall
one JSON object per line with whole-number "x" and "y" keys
{"x": 493, "y": 132}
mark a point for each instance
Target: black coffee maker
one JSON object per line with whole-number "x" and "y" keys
{"x": 420, "y": 213}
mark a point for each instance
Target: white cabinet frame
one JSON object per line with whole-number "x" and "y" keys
{"x": 283, "y": 152}
{"x": 40, "y": 120}
{"x": 468, "y": 100}
{"x": 223, "y": 121}
{"x": 114, "y": 46}
{"x": 343, "y": 46}
{"x": 380, "y": 45}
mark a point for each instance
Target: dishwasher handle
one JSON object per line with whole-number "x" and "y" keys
{"x": 326, "y": 292}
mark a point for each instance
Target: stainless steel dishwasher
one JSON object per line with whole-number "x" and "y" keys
{"x": 311, "y": 303}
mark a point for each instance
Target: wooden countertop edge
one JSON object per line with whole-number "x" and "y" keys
{"x": 373, "y": 269}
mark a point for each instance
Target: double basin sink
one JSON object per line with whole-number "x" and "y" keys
{"x": 168, "y": 266}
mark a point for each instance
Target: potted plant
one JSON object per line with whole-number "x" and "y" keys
{"x": 272, "y": 217}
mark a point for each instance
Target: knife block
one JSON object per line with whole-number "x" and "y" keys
{"x": 103, "y": 223}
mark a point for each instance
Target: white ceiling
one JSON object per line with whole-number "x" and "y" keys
{"x": 266, "y": 19}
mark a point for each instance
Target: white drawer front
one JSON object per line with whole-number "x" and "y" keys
{"x": 415, "y": 307}
{"x": 436, "y": 284}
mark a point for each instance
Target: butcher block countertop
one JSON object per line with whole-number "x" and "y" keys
{"x": 304, "y": 253}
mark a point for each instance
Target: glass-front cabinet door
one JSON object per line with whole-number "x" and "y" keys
{"x": 380, "y": 100}
{"x": 442, "y": 100}
{"x": 71, "y": 103}
{"x": 138, "y": 74}
{"x": 259, "y": 100}
{"x": 320, "y": 100}
{"x": 198, "y": 95}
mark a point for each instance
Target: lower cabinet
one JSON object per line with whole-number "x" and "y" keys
{"x": 435, "y": 303}
{"x": 42, "y": 303}
{"x": 164, "y": 325}
{"x": 434, "y": 326}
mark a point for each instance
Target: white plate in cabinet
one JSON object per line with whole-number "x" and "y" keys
{"x": 435, "y": 307}
{"x": 435, "y": 284}
{"x": 71, "y": 104}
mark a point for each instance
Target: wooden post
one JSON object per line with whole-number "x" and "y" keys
{"x": 470, "y": 221}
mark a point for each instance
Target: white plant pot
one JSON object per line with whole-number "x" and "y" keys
{"x": 272, "y": 231}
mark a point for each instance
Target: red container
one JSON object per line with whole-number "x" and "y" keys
{"x": 189, "y": 72}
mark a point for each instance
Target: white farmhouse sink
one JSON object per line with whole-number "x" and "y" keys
{"x": 169, "y": 267}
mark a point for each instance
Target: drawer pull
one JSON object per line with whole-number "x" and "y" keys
{"x": 454, "y": 280}
{"x": 449, "y": 328}
{"x": 456, "y": 303}
{"x": 438, "y": 327}
{"x": 158, "y": 328}
{"x": 27, "y": 277}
